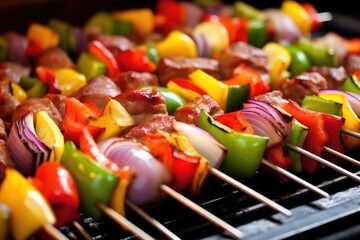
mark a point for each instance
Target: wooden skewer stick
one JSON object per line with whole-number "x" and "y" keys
{"x": 295, "y": 178}
{"x": 250, "y": 192}
{"x": 53, "y": 232}
{"x": 324, "y": 162}
{"x": 351, "y": 133}
{"x": 342, "y": 156}
{"x": 126, "y": 224}
{"x": 81, "y": 230}
{"x": 201, "y": 211}
{"x": 152, "y": 221}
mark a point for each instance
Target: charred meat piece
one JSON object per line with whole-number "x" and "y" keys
{"x": 3, "y": 135}
{"x": 14, "y": 71}
{"x": 143, "y": 104}
{"x": 54, "y": 58}
{"x": 274, "y": 97}
{"x": 162, "y": 123}
{"x": 335, "y": 76}
{"x": 181, "y": 67}
{"x": 243, "y": 53}
{"x": 8, "y": 102}
{"x": 115, "y": 44}
{"x": 34, "y": 105}
{"x": 58, "y": 100}
{"x": 99, "y": 90}
{"x": 307, "y": 83}
{"x": 189, "y": 113}
{"x": 352, "y": 63}
{"x": 130, "y": 80}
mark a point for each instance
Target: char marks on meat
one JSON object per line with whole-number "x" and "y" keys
{"x": 131, "y": 80}
{"x": 274, "y": 97}
{"x": 189, "y": 113}
{"x": 58, "y": 100}
{"x": 243, "y": 53}
{"x": 307, "y": 83}
{"x": 14, "y": 71}
{"x": 54, "y": 58}
{"x": 181, "y": 67}
{"x": 99, "y": 90}
{"x": 3, "y": 135}
{"x": 34, "y": 105}
{"x": 143, "y": 104}
{"x": 335, "y": 76}
{"x": 8, "y": 102}
{"x": 162, "y": 123}
{"x": 352, "y": 63}
{"x": 5, "y": 159}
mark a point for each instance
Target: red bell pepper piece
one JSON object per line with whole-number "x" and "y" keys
{"x": 135, "y": 60}
{"x": 97, "y": 49}
{"x": 236, "y": 121}
{"x": 57, "y": 185}
{"x": 243, "y": 75}
{"x": 185, "y": 83}
{"x": 90, "y": 148}
{"x": 317, "y": 136}
{"x": 316, "y": 24}
{"x": 172, "y": 13}
{"x": 33, "y": 49}
{"x": 76, "y": 118}
{"x": 275, "y": 155}
{"x": 182, "y": 165}
{"x": 333, "y": 126}
{"x": 95, "y": 110}
{"x": 47, "y": 76}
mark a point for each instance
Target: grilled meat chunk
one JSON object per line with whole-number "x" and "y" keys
{"x": 243, "y": 53}
{"x": 131, "y": 80}
{"x": 307, "y": 83}
{"x": 189, "y": 113}
{"x": 181, "y": 67}
{"x": 14, "y": 71}
{"x": 335, "y": 76}
{"x": 99, "y": 90}
{"x": 8, "y": 102}
{"x": 143, "y": 104}
{"x": 54, "y": 58}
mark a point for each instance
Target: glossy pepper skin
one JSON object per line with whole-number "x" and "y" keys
{"x": 58, "y": 186}
{"x": 29, "y": 209}
{"x": 94, "y": 183}
{"x": 244, "y": 151}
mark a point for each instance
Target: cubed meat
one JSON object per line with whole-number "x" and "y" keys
{"x": 54, "y": 58}
{"x": 130, "y": 80}
{"x": 8, "y": 102}
{"x": 335, "y": 76}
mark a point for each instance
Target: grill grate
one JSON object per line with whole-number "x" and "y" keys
{"x": 310, "y": 213}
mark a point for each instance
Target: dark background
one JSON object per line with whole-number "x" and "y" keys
{"x": 18, "y": 14}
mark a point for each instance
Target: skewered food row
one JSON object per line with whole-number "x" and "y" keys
{"x": 85, "y": 98}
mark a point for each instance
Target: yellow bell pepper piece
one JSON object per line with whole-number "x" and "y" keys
{"x": 279, "y": 61}
{"x": 352, "y": 121}
{"x": 142, "y": 19}
{"x": 69, "y": 80}
{"x": 114, "y": 118}
{"x": 298, "y": 14}
{"x": 43, "y": 35}
{"x": 185, "y": 93}
{"x": 215, "y": 88}
{"x": 175, "y": 44}
{"x": 48, "y": 132}
{"x": 29, "y": 209}
{"x": 18, "y": 92}
{"x": 117, "y": 201}
{"x": 216, "y": 35}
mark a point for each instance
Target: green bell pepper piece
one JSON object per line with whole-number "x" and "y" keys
{"x": 319, "y": 104}
{"x": 300, "y": 62}
{"x": 123, "y": 28}
{"x": 100, "y": 22}
{"x": 95, "y": 183}
{"x": 297, "y": 138}
{"x": 244, "y": 151}
{"x": 242, "y": 9}
{"x": 351, "y": 84}
{"x": 4, "y": 49}
{"x": 319, "y": 55}
{"x": 33, "y": 87}
{"x": 256, "y": 32}
{"x": 152, "y": 53}
{"x": 90, "y": 66}
{"x": 66, "y": 35}
{"x": 237, "y": 95}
